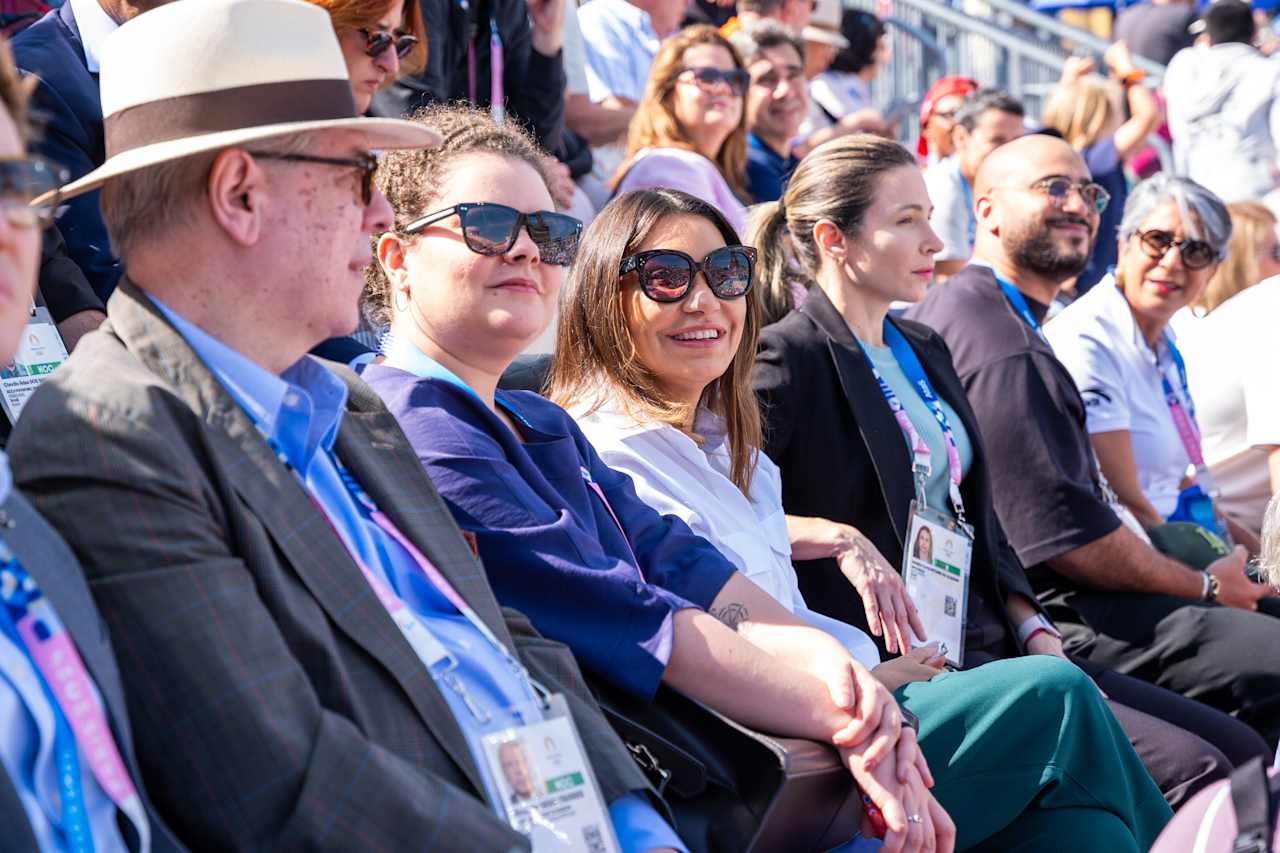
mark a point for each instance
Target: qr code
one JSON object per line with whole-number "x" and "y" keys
{"x": 949, "y": 606}
{"x": 594, "y": 840}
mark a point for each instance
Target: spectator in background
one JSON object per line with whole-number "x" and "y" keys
{"x": 1086, "y": 110}
{"x": 1223, "y": 102}
{"x": 987, "y": 119}
{"x": 792, "y": 14}
{"x": 845, "y": 87}
{"x": 621, "y": 39}
{"x": 690, "y": 131}
{"x": 822, "y": 38}
{"x": 1233, "y": 365}
{"x": 379, "y": 43}
{"x": 1156, "y": 29}
{"x": 937, "y": 118}
{"x": 601, "y": 124}
{"x": 61, "y": 49}
{"x": 776, "y": 101}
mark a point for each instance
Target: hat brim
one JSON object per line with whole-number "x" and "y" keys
{"x": 824, "y": 37}
{"x": 379, "y": 133}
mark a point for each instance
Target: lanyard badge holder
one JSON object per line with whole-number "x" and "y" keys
{"x": 939, "y": 548}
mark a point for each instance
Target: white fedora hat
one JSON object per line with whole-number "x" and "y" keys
{"x": 824, "y": 25}
{"x": 200, "y": 75}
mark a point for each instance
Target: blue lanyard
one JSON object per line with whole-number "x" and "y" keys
{"x": 971, "y": 218}
{"x": 75, "y": 816}
{"x": 1181, "y": 367}
{"x": 914, "y": 371}
{"x": 1019, "y": 303}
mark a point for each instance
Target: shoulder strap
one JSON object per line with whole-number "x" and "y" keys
{"x": 1254, "y": 805}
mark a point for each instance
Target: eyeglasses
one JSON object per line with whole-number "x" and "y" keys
{"x": 1059, "y": 190}
{"x": 25, "y": 179}
{"x": 492, "y": 229}
{"x": 1195, "y": 254}
{"x": 666, "y": 275}
{"x": 377, "y": 41}
{"x": 708, "y": 79}
{"x": 364, "y": 161}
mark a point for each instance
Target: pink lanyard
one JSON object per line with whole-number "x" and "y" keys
{"x": 497, "y": 96}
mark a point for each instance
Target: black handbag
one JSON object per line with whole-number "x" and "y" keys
{"x": 732, "y": 789}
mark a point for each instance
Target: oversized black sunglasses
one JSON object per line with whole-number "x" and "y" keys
{"x": 491, "y": 229}
{"x": 377, "y": 41}
{"x": 23, "y": 180}
{"x": 707, "y": 78}
{"x": 1195, "y": 254}
{"x": 666, "y": 275}
{"x": 364, "y": 161}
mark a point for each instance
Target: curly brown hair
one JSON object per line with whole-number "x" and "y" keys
{"x": 411, "y": 179}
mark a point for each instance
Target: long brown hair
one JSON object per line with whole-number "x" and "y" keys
{"x": 1250, "y": 220}
{"x": 837, "y": 181}
{"x": 595, "y": 358}
{"x": 655, "y": 124}
{"x": 359, "y": 14}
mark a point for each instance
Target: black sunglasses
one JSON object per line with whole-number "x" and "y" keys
{"x": 1059, "y": 190}
{"x": 491, "y": 229}
{"x": 365, "y": 162}
{"x": 707, "y": 78}
{"x": 23, "y": 180}
{"x": 1195, "y": 254}
{"x": 377, "y": 41}
{"x": 666, "y": 275}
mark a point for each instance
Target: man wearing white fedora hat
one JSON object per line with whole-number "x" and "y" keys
{"x": 313, "y": 653}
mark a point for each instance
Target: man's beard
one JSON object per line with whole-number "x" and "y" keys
{"x": 1035, "y": 252}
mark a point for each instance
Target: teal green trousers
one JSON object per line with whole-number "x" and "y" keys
{"x": 1026, "y": 756}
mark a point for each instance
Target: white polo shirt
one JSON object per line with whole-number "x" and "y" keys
{"x": 1118, "y": 375}
{"x": 1233, "y": 365}
{"x": 953, "y": 218}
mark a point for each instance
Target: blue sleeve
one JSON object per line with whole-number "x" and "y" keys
{"x": 1102, "y": 157}
{"x": 669, "y": 553}
{"x": 639, "y": 827}
{"x": 763, "y": 181}
{"x": 539, "y": 558}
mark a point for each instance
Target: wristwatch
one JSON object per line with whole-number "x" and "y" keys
{"x": 1211, "y": 587}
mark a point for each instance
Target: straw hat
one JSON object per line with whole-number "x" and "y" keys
{"x": 201, "y": 75}
{"x": 824, "y": 25}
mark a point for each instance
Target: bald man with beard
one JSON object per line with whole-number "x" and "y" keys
{"x": 1121, "y": 606}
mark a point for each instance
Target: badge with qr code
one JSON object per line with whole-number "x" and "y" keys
{"x": 547, "y": 789}
{"x": 935, "y": 572}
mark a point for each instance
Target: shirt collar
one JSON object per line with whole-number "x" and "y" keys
{"x": 298, "y": 412}
{"x": 404, "y": 355}
{"x": 95, "y": 25}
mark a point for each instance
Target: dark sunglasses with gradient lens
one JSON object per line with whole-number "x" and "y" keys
{"x": 707, "y": 79}
{"x": 364, "y": 161}
{"x": 21, "y": 181}
{"x": 666, "y": 275}
{"x": 1195, "y": 254}
{"x": 492, "y": 229}
{"x": 377, "y": 41}
{"x": 1059, "y": 190}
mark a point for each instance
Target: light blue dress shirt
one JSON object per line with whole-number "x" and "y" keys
{"x": 619, "y": 45}
{"x": 26, "y": 744}
{"x": 299, "y": 412}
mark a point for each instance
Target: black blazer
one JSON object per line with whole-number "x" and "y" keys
{"x": 843, "y": 457}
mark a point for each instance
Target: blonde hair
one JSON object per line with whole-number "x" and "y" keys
{"x": 595, "y": 357}
{"x": 1082, "y": 110}
{"x": 655, "y": 124}
{"x": 1250, "y": 220}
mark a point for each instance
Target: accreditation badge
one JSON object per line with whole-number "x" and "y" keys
{"x": 935, "y": 569}
{"x": 39, "y": 351}
{"x": 548, "y": 791}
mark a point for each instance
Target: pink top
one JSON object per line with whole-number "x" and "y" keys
{"x": 678, "y": 169}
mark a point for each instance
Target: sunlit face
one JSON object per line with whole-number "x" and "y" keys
{"x": 938, "y": 129}
{"x": 778, "y": 96}
{"x": 318, "y": 220}
{"x": 19, "y": 256}
{"x": 671, "y": 338}
{"x": 890, "y": 258}
{"x": 796, "y": 14}
{"x": 1155, "y": 288}
{"x": 370, "y": 73}
{"x": 470, "y": 304}
{"x": 710, "y": 113}
{"x": 992, "y": 129}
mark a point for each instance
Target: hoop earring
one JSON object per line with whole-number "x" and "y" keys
{"x": 396, "y": 301}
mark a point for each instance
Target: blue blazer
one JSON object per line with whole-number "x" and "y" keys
{"x": 549, "y": 545}
{"x": 68, "y": 100}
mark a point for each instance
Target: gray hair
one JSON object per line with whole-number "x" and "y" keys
{"x": 984, "y": 100}
{"x": 763, "y": 35}
{"x": 1269, "y": 559}
{"x": 1160, "y": 189}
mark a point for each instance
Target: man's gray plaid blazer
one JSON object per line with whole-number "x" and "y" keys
{"x": 275, "y": 705}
